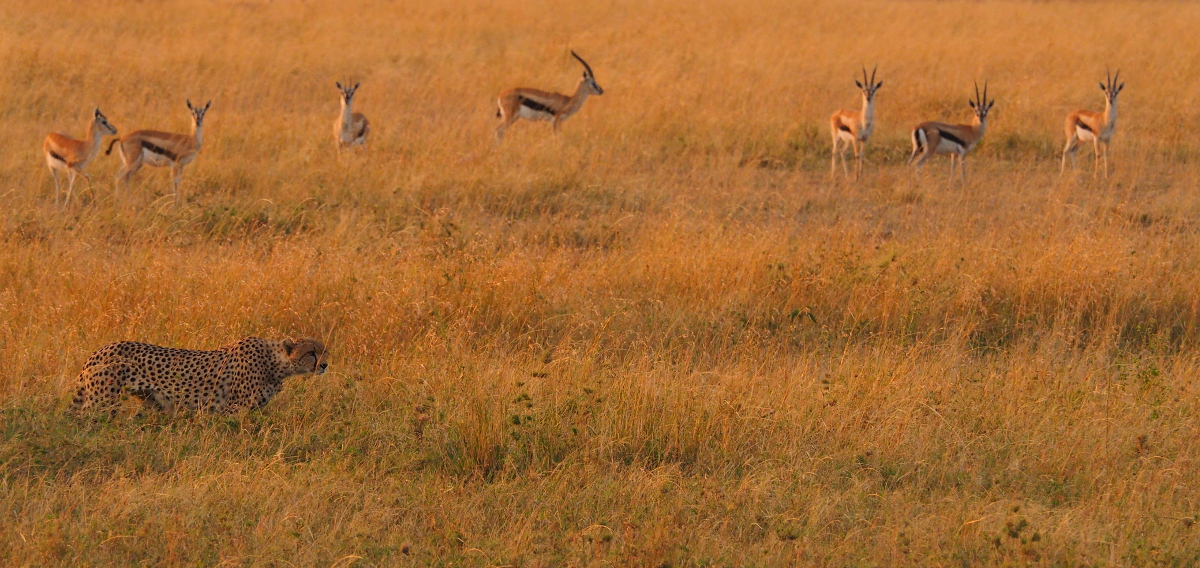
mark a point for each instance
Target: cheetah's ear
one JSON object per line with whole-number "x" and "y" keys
{"x": 288, "y": 347}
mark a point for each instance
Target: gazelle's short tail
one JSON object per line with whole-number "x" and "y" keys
{"x": 919, "y": 141}
{"x": 110, "y": 146}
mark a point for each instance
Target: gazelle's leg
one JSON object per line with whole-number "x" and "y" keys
{"x": 507, "y": 120}
{"x": 1068, "y": 149}
{"x": 859, "y": 149}
{"x": 952, "y": 156}
{"x": 962, "y": 166}
{"x": 86, "y": 178}
{"x": 70, "y": 187}
{"x": 127, "y": 172}
{"x": 921, "y": 161}
{"x": 833, "y": 156}
{"x": 1096, "y": 151}
{"x": 54, "y": 173}
{"x": 177, "y": 177}
{"x": 129, "y": 167}
{"x": 1106, "y": 160}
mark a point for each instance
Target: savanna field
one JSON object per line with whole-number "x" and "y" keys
{"x": 662, "y": 338}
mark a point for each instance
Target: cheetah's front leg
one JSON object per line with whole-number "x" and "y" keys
{"x": 99, "y": 389}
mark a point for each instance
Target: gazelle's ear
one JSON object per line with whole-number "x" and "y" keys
{"x": 207, "y": 105}
{"x": 339, "y": 84}
{"x": 98, "y": 115}
{"x": 288, "y": 347}
{"x": 1103, "y": 88}
{"x": 971, "y": 102}
{"x": 880, "y": 84}
{"x": 859, "y": 85}
{"x": 356, "y": 86}
{"x": 1122, "y": 86}
{"x": 190, "y": 107}
{"x": 990, "y": 105}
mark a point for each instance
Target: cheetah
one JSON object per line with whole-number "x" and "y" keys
{"x": 242, "y": 375}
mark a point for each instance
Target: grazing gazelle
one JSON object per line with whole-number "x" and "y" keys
{"x": 532, "y": 104}
{"x": 854, "y": 128}
{"x": 1097, "y": 128}
{"x": 72, "y": 156}
{"x": 350, "y": 128}
{"x": 930, "y": 138}
{"x": 161, "y": 149}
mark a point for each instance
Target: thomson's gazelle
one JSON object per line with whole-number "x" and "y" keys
{"x": 72, "y": 156}
{"x": 930, "y": 138}
{"x": 1097, "y": 128}
{"x": 161, "y": 149}
{"x": 350, "y": 128}
{"x": 532, "y": 104}
{"x": 854, "y": 128}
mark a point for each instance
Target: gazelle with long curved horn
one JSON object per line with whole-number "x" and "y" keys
{"x": 532, "y": 104}
{"x": 161, "y": 149}
{"x": 1095, "y": 127}
{"x": 930, "y": 138}
{"x": 350, "y": 128}
{"x": 854, "y": 128}
{"x": 72, "y": 156}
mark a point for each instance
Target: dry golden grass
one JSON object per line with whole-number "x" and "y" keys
{"x": 661, "y": 338}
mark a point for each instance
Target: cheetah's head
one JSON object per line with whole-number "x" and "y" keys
{"x": 306, "y": 355}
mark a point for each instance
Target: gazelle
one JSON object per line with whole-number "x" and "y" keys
{"x": 350, "y": 128}
{"x": 854, "y": 128}
{"x": 1097, "y": 128}
{"x": 72, "y": 156}
{"x": 532, "y": 104}
{"x": 931, "y": 138}
{"x": 161, "y": 149}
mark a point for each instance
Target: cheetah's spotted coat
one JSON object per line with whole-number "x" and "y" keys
{"x": 242, "y": 375}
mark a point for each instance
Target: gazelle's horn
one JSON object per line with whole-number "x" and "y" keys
{"x": 977, "y": 101}
{"x": 1115, "y": 79}
{"x": 985, "y": 99}
{"x": 873, "y": 70}
{"x": 586, "y": 67}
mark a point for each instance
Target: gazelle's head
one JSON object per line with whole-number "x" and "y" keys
{"x": 1112, "y": 89}
{"x": 347, "y": 92}
{"x": 981, "y": 105}
{"x": 589, "y": 78}
{"x": 198, "y": 113}
{"x": 868, "y": 86}
{"x": 103, "y": 125}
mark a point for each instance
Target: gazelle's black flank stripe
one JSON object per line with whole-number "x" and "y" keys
{"x": 534, "y": 105}
{"x": 1083, "y": 125}
{"x": 843, "y": 127}
{"x": 57, "y": 157}
{"x": 159, "y": 150}
{"x": 951, "y": 137}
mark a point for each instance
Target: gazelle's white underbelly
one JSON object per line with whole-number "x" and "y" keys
{"x": 948, "y": 147}
{"x": 1084, "y": 134}
{"x": 846, "y": 135}
{"x": 154, "y": 159}
{"x": 530, "y": 114}
{"x": 55, "y": 162}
